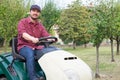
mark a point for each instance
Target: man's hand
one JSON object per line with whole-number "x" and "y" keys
{"x": 35, "y": 40}
{"x": 51, "y": 40}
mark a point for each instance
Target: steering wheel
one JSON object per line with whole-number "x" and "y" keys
{"x": 46, "y": 41}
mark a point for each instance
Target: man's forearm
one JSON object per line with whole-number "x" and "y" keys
{"x": 28, "y": 37}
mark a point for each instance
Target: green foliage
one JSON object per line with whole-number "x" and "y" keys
{"x": 11, "y": 11}
{"x": 116, "y": 26}
{"x": 101, "y": 20}
{"x": 50, "y": 15}
{"x": 106, "y": 20}
{"x": 75, "y": 23}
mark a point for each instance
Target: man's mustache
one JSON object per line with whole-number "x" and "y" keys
{"x": 35, "y": 14}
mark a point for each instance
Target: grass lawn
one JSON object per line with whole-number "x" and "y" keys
{"x": 2, "y": 50}
{"x": 108, "y": 70}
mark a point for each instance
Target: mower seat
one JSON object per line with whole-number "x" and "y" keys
{"x": 15, "y": 54}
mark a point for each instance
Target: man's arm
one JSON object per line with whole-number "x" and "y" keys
{"x": 22, "y": 33}
{"x": 28, "y": 37}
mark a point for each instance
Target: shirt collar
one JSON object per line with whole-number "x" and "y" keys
{"x": 29, "y": 21}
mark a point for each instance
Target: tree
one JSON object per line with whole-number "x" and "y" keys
{"x": 99, "y": 22}
{"x": 103, "y": 20}
{"x": 75, "y": 22}
{"x": 110, "y": 32}
{"x": 11, "y": 11}
{"x": 117, "y": 25}
{"x": 50, "y": 15}
{"x": 97, "y": 39}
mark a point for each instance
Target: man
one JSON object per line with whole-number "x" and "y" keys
{"x": 29, "y": 32}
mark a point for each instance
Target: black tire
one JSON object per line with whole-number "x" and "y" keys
{"x": 3, "y": 78}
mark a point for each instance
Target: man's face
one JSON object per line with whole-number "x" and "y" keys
{"x": 34, "y": 13}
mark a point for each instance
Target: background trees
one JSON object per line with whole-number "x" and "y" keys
{"x": 10, "y": 12}
{"x": 50, "y": 15}
{"x": 106, "y": 22}
{"x": 75, "y": 24}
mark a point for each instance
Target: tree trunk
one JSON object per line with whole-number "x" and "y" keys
{"x": 74, "y": 45}
{"x": 4, "y": 45}
{"x": 85, "y": 45}
{"x": 117, "y": 51}
{"x": 112, "y": 53}
{"x": 97, "y": 63}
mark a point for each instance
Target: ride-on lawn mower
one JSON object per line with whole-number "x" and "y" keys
{"x": 55, "y": 64}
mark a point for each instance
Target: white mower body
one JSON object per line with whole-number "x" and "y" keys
{"x": 62, "y": 65}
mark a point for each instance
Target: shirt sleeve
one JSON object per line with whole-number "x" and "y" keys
{"x": 44, "y": 32}
{"x": 21, "y": 28}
